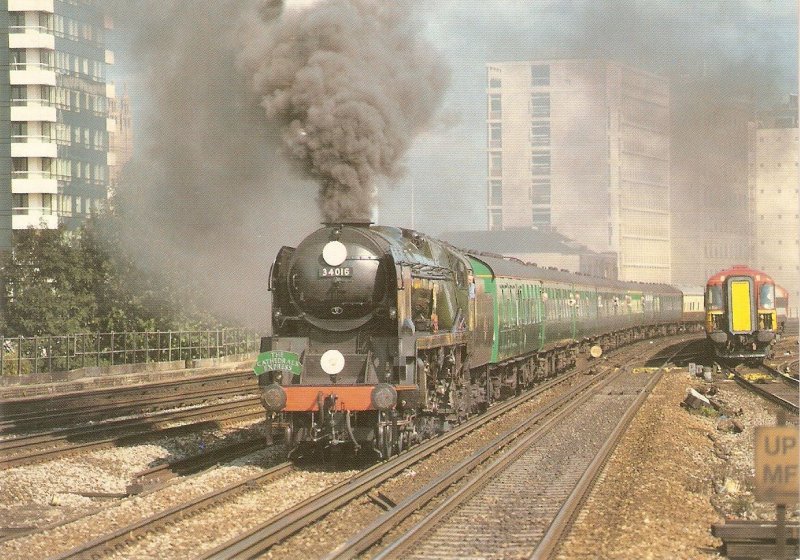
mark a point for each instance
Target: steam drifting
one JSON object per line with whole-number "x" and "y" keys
{"x": 349, "y": 82}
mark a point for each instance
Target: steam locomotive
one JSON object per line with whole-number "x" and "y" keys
{"x": 383, "y": 336}
{"x": 741, "y": 317}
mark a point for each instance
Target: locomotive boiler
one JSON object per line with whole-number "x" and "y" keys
{"x": 383, "y": 336}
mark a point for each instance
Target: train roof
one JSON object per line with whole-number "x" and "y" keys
{"x": 514, "y": 268}
{"x": 739, "y": 270}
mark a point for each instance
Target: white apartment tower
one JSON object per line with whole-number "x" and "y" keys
{"x": 583, "y": 146}
{"x": 54, "y": 85}
{"x": 773, "y": 184}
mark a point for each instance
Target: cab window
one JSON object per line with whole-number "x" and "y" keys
{"x": 767, "y": 296}
{"x": 714, "y": 297}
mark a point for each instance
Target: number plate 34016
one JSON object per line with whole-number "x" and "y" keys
{"x": 335, "y": 272}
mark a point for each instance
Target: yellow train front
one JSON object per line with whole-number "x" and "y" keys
{"x": 741, "y": 320}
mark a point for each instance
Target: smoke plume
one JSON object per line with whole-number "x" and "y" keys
{"x": 350, "y": 83}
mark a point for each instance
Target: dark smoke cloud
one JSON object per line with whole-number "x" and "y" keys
{"x": 208, "y": 193}
{"x": 350, "y": 82}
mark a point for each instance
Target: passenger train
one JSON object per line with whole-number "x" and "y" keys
{"x": 741, "y": 313}
{"x": 383, "y": 336}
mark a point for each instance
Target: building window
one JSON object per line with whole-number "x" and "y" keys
{"x": 540, "y": 163}
{"x": 19, "y": 131}
{"x": 495, "y": 219}
{"x": 540, "y": 133}
{"x": 495, "y": 82}
{"x": 19, "y": 95}
{"x": 20, "y": 204}
{"x": 495, "y": 135}
{"x": 17, "y": 59}
{"x": 540, "y": 105}
{"x": 495, "y": 192}
{"x": 540, "y": 191}
{"x": 540, "y": 75}
{"x": 541, "y": 216}
{"x": 495, "y": 106}
{"x": 19, "y": 165}
{"x": 496, "y": 164}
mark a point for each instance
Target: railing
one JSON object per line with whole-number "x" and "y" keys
{"x": 29, "y": 28}
{"x": 32, "y": 66}
{"x": 48, "y": 354}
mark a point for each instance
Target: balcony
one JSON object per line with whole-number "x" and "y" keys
{"x": 27, "y": 217}
{"x": 31, "y": 6}
{"x": 30, "y": 37}
{"x": 33, "y": 112}
{"x": 35, "y": 73}
{"x": 27, "y": 182}
{"x": 33, "y": 146}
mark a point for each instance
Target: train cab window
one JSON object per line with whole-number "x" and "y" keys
{"x": 767, "y": 296}
{"x": 421, "y": 307}
{"x": 714, "y": 297}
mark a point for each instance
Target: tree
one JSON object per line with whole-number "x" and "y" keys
{"x": 47, "y": 289}
{"x": 57, "y": 282}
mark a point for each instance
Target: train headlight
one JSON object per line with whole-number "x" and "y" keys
{"x": 274, "y": 397}
{"x": 334, "y": 253}
{"x": 384, "y": 396}
{"x": 332, "y": 362}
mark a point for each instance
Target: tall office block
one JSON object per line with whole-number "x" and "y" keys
{"x": 773, "y": 181}
{"x": 583, "y": 146}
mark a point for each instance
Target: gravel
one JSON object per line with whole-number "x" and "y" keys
{"x": 673, "y": 475}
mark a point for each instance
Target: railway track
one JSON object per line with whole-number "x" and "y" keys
{"x": 294, "y": 519}
{"x": 266, "y": 536}
{"x": 287, "y": 522}
{"x": 30, "y": 449}
{"x": 784, "y": 390}
{"x": 523, "y": 498}
{"x": 28, "y": 414}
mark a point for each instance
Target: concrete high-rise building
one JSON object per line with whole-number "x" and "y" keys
{"x": 773, "y": 182}
{"x": 56, "y": 170}
{"x": 583, "y": 146}
{"x": 120, "y": 140}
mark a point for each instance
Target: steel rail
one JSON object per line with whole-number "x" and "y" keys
{"x": 551, "y": 415}
{"x": 129, "y": 400}
{"x": 512, "y": 444}
{"x": 563, "y": 521}
{"x": 155, "y": 478}
{"x": 104, "y": 544}
{"x": 257, "y": 540}
{"x": 765, "y": 393}
{"x": 29, "y": 449}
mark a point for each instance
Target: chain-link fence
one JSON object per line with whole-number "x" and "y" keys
{"x": 49, "y": 354}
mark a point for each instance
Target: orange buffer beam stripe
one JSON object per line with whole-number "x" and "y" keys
{"x": 303, "y": 398}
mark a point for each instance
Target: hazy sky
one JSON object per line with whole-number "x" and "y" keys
{"x": 213, "y": 187}
{"x": 667, "y": 37}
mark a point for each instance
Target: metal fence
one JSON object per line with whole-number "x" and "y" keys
{"x": 48, "y": 354}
